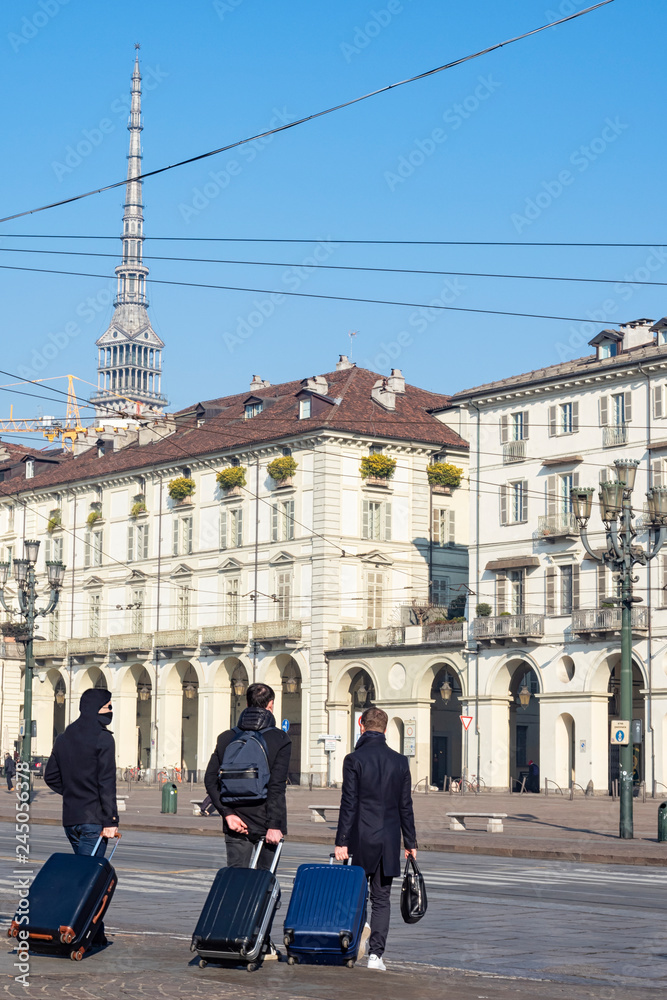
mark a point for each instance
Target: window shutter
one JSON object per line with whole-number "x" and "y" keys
{"x": 524, "y": 426}
{"x": 504, "y": 430}
{"x": 274, "y": 523}
{"x": 552, "y": 500}
{"x": 223, "y": 529}
{"x": 365, "y": 527}
{"x": 628, "y": 407}
{"x": 575, "y": 587}
{"x": 87, "y": 556}
{"x": 552, "y": 421}
{"x": 188, "y": 534}
{"x": 289, "y": 510}
{"x": 602, "y": 584}
{"x": 656, "y": 472}
{"x": 524, "y": 501}
{"x": 662, "y": 600}
{"x": 452, "y": 526}
{"x": 658, "y": 408}
{"x": 174, "y": 544}
{"x": 575, "y": 481}
{"x": 144, "y": 551}
{"x": 130, "y": 543}
{"x": 550, "y": 591}
{"x": 47, "y": 550}
{"x": 386, "y": 510}
{"x": 501, "y": 580}
{"x": 575, "y": 417}
{"x": 435, "y": 530}
{"x": 604, "y": 411}
{"x": 503, "y": 504}
{"x": 239, "y": 527}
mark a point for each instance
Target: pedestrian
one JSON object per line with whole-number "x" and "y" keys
{"x": 10, "y": 771}
{"x": 82, "y": 768}
{"x": 375, "y": 809}
{"x": 533, "y": 782}
{"x": 246, "y": 823}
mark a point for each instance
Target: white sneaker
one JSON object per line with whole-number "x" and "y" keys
{"x": 363, "y": 941}
{"x": 375, "y": 962}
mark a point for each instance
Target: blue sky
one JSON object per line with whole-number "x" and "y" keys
{"x": 558, "y": 137}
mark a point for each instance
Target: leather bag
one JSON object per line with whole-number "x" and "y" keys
{"x": 413, "y": 893}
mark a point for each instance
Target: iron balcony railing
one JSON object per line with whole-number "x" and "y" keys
{"x": 94, "y": 644}
{"x": 51, "y": 648}
{"x": 443, "y": 634}
{"x": 281, "y": 629}
{"x": 614, "y": 435}
{"x": 557, "y": 525}
{"x": 221, "y": 634}
{"x": 131, "y": 640}
{"x": 177, "y": 638}
{"x": 514, "y": 451}
{"x": 508, "y": 627}
{"x": 354, "y": 638}
{"x": 607, "y": 619}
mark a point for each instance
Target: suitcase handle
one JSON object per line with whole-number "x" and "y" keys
{"x": 348, "y": 860}
{"x": 276, "y": 857}
{"x": 99, "y": 841}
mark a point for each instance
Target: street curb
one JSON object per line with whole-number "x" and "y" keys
{"x": 497, "y": 850}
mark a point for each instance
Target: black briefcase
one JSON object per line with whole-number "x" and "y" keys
{"x": 413, "y": 893}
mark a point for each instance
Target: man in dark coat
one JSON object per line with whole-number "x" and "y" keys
{"x": 375, "y": 809}
{"x": 10, "y": 771}
{"x": 244, "y": 824}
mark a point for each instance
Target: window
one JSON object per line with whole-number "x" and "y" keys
{"x": 563, "y": 419}
{"x": 657, "y": 472}
{"x": 53, "y": 550}
{"x": 94, "y": 615}
{"x": 182, "y": 536}
{"x": 137, "y": 622}
{"x": 284, "y": 593}
{"x": 232, "y": 588}
{"x": 9, "y": 556}
{"x": 521, "y": 746}
{"x": 615, "y": 410}
{"x": 286, "y": 452}
{"x": 514, "y": 502}
{"x": 282, "y": 521}
{"x": 253, "y": 409}
{"x": 30, "y": 468}
{"x": 137, "y": 542}
{"x": 54, "y": 625}
{"x": 515, "y": 585}
{"x": 562, "y": 589}
{"x": 183, "y": 607}
{"x": 607, "y": 349}
{"x": 374, "y": 596}
{"x": 231, "y": 528}
{"x": 376, "y": 520}
{"x": 93, "y": 549}
{"x": 444, "y": 526}
{"x": 304, "y": 408}
{"x": 514, "y": 426}
{"x": 658, "y": 396}
{"x": 376, "y": 449}
{"x": 440, "y": 591}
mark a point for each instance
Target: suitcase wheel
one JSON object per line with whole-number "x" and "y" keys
{"x": 292, "y": 960}
{"x": 345, "y": 942}
{"x": 253, "y": 966}
{"x": 67, "y": 938}
{"x": 350, "y": 963}
{"x": 77, "y": 955}
{"x": 202, "y": 963}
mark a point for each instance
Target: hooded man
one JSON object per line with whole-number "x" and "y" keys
{"x": 10, "y": 771}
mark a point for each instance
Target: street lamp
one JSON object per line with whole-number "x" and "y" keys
{"x": 524, "y": 694}
{"x": 446, "y": 690}
{"x": 622, "y": 555}
{"x": 24, "y": 574}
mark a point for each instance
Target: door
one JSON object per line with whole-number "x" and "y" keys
{"x": 439, "y": 760}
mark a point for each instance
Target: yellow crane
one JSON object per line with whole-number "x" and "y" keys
{"x": 67, "y": 430}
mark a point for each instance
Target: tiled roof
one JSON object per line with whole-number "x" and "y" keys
{"x": 355, "y": 412}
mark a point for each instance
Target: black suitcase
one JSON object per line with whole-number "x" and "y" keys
{"x": 235, "y": 922}
{"x": 66, "y": 902}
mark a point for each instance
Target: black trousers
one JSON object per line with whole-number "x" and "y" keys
{"x": 240, "y": 848}
{"x": 380, "y": 892}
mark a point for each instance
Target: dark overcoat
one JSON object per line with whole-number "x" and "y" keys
{"x": 376, "y": 805}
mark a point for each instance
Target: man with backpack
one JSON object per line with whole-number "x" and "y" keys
{"x": 246, "y": 778}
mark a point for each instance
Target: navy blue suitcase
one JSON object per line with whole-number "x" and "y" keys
{"x": 326, "y": 914}
{"x": 67, "y": 901}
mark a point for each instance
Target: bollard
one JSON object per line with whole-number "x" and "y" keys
{"x": 662, "y": 822}
{"x": 169, "y": 797}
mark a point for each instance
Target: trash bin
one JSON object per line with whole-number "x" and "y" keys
{"x": 662, "y": 822}
{"x": 169, "y": 797}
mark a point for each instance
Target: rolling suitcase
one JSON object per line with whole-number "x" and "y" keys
{"x": 66, "y": 903}
{"x": 326, "y": 914}
{"x": 236, "y": 919}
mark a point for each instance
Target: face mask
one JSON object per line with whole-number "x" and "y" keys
{"x": 105, "y": 717}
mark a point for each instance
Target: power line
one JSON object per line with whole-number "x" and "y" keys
{"x": 307, "y": 118}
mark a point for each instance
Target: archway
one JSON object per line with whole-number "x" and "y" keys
{"x": 144, "y": 715}
{"x": 291, "y": 709}
{"x": 446, "y": 728}
{"x": 189, "y": 722}
{"x": 564, "y": 747}
{"x": 395, "y": 731}
{"x": 524, "y": 727}
{"x": 239, "y": 686}
{"x": 638, "y": 712}
{"x": 362, "y": 696}
{"x": 59, "y": 708}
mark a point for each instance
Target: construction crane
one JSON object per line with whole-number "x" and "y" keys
{"x": 67, "y": 431}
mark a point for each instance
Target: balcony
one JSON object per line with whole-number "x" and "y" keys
{"x": 224, "y": 635}
{"x": 443, "y": 635}
{"x": 49, "y": 650}
{"x": 184, "y": 639}
{"x": 614, "y": 435}
{"x": 130, "y": 642}
{"x": 512, "y": 628}
{"x": 599, "y": 621}
{"x": 12, "y": 650}
{"x": 555, "y": 526}
{"x": 514, "y": 451}
{"x": 281, "y": 630}
{"x": 95, "y": 647}
{"x": 356, "y": 638}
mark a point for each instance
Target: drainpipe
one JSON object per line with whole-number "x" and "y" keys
{"x": 649, "y": 601}
{"x": 476, "y": 644}
{"x": 71, "y": 616}
{"x": 154, "y": 755}
{"x": 256, "y": 595}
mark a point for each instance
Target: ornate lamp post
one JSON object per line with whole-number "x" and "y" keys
{"x": 622, "y": 555}
{"x": 24, "y": 573}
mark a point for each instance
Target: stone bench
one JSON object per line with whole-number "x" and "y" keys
{"x": 494, "y": 820}
{"x": 121, "y": 802}
{"x": 318, "y": 814}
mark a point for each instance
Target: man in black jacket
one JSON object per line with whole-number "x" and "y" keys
{"x": 10, "y": 772}
{"x": 245, "y": 825}
{"x": 375, "y": 808}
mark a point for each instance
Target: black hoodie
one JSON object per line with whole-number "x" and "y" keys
{"x": 268, "y": 815}
{"x": 82, "y": 766}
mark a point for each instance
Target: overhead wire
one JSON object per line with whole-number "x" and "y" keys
{"x": 332, "y": 239}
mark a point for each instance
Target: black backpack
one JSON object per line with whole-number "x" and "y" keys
{"x": 244, "y": 773}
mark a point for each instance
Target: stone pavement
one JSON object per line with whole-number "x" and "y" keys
{"x": 537, "y": 826}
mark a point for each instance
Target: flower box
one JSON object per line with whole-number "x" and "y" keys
{"x": 282, "y": 483}
{"x": 377, "y": 481}
{"x": 445, "y": 491}
{"x": 233, "y": 491}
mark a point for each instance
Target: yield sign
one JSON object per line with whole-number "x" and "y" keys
{"x": 466, "y": 720}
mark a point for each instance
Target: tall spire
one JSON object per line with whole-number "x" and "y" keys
{"x": 130, "y": 352}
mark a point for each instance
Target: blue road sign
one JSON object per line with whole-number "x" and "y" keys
{"x": 285, "y": 726}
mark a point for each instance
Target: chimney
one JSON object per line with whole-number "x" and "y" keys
{"x": 396, "y": 382}
{"x": 259, "y": 383}
{"x": 383, "y": 395}
{"x": 317, "y": 383}
{"x": 344, "y": 363}
{"x": 637, "y": 333}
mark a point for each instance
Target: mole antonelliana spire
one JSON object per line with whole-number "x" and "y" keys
{"x": 130, "y": 352}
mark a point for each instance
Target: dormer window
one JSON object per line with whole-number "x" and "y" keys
{"x": 662, "y": 336}
{"x": 253, "y": 409}
{"x": 30, "y": 468}
{"x": 304, "y": 408}
{"x": 607, "y": 343}
{"x": 607, "y": 350}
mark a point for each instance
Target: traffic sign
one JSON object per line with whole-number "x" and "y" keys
{"x": 410, "y": 738}
{"x": 620, "y": 732}
{"x": 285, "y": 726}
{"x": 465, "y": 721}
